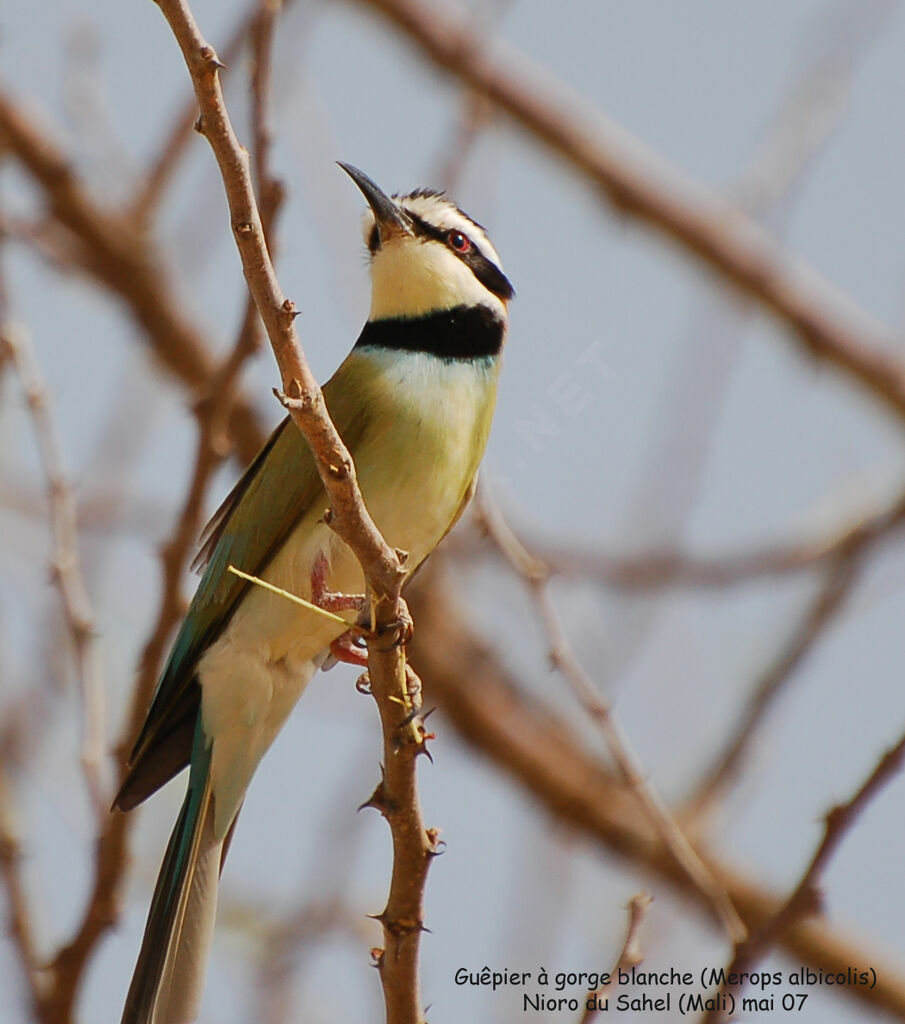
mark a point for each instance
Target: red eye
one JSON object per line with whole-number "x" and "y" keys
{"x": 458, "y": 241}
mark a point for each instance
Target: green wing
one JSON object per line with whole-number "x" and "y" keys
{"x": 246, "y": 531}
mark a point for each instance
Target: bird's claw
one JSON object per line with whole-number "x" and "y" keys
{"x": 398, "y": 632}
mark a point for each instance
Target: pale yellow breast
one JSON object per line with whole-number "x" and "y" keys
{"x": 431, "y": 420}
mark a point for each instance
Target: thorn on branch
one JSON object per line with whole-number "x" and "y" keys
{"x": 435, "y": 843}
{"x": 401, "y": 927}
{"x": 209, "y": 56}
{"x": 377, "y": 799}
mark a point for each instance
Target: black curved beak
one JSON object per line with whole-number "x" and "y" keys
{"x": 390, "y": 218}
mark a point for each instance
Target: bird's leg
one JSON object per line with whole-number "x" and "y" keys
{"x": 347, "y": 647}
{"x": 344, "y": 648}
{"x": 329, "y": 600}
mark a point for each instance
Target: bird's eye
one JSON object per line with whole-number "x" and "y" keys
{"x": 458, "y": 241}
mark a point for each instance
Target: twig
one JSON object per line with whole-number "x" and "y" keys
{"x": 694, "y": 384}
{"x": 323, "y": 919}
{"x": 383, "y": 567}
{"x": 67, "y": 570}
{"x": 676, "y": 568}
{"x": 535, "y": 576}
{"x": 99, "y": 510}
{"x": 414, "y": 846}
{"x": 641, "y": 184}
{"x": 476, "y": 113}
{"x": 806, "y": 898}
{"x": 540, "y": 752}
{"x": 817, "y": 618}
{"x": 474, "y": 116}
{"x": 848, "y": 553}
{"x": 300, "y": 393}
{"x": 269, "y": 189}
{"x": 629, "y": 956}
{"x": 123, "y": 259}
{"x": 176, "y": 143}
{"x": 323, "y": 907}
{"x": 102, "y": 908}
{"x": 19, "y": 926}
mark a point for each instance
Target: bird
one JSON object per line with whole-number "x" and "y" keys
{"x": 413, "y": 402}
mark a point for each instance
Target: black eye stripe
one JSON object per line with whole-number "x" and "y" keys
{"x": 487, "y": 272}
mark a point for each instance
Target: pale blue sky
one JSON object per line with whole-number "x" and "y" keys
{"x": 778, "y": 447}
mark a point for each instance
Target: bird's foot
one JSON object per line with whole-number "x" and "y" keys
{"x": 350, "y": 649}
{"x": 398, "y": 632}
{"x": 329, "y": 600}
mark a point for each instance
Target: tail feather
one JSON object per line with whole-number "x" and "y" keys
{"x": 169, "y": 976}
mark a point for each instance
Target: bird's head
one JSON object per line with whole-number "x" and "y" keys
{"x": 427, "y": 256}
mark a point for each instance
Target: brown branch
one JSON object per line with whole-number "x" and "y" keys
{"x": 848, "y": 553}
{"x": 675, "y": 568}
{"x": 540, "y": 752}
{"x": 269, "y": 189}
{"x": 122, "y": 258}
{"x": 641, "y": 184}
{"x": 321, "y": 920}
{"x": 414, "y": 846}
{"x": 111, "y": 856}
{"x": 475, "y": 113}
{"x": 98, "y": 510}
{"x": 176, "y": 143}
{"x": 66, "y": 566}
{"x": 19, "y": 925}
{"x": 212, "y": 413}
{"x": 322, "y": 910}
{"x": 300, "y": 393}
{"x": 629, "y": 956}
{"x": 805, "y": 900}
{"x": 383, "y": 568}
{"x": 535, "y": 576}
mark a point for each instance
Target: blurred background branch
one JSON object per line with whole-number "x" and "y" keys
{"x": 653, "y": 436}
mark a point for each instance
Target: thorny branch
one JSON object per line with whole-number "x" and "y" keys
{"x": 301, "y": 394}
{"x": 94, "y": 255}
{"x": 383, "y": 568}
{"x": 535, "y": 575}
{"x": 805, "y": 900}
{"x": 414, "y": 846}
